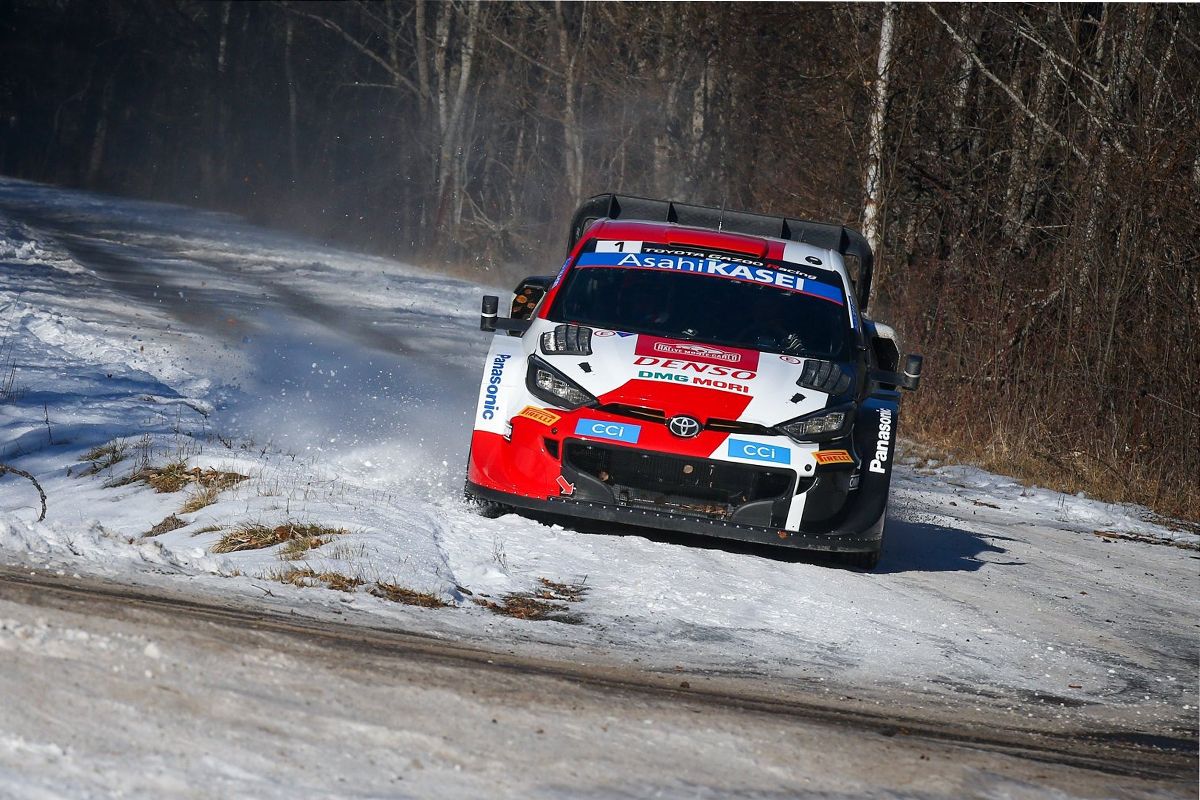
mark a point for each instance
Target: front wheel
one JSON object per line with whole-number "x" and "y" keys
{"x": 869, "y": 560}
{"x": 865, "y": 561}
{"x": 485, "y": 508}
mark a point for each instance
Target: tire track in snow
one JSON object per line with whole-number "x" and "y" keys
{"x": 1110, "y": 752}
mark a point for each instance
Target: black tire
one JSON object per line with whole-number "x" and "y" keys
{"x": 869, "y": 560}
{"x": 864, "y": 561}
{"x": 485, "y": 508}
{"x": 490, "y": 509}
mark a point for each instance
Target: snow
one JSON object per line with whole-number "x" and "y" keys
{"x": 342, "y": 385}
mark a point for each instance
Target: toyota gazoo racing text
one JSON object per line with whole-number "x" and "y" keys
{"x": 697, "y": 370}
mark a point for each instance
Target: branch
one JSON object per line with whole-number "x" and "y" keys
{"x": 969, "y": 49}
{"x": 522, "y": 54}
{"x": 398, "y": 77}
{"x": 5, "y": 468}
{"x": 1048, "y": 50}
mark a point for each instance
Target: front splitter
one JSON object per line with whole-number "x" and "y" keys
{"x": 834, "y": 541}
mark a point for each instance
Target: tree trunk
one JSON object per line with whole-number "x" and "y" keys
{"x": 288, "y": 36}
{"x": 1028, "y": 143}
{"x": 872, "y": 224}
{"x": 454, "y": 85}
{"x": 96, "y": 155}
{"x": 572, "y": 130}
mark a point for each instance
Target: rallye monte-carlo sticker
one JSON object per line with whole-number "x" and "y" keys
{"x": 724, "y": 368}
{"x": 647, "y": 255}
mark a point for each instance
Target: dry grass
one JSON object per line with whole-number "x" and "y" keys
{"x": 174, "y": 476}
{"x": 398, "y": 594}
{"x": 547, "y": 602}
{"x": 1027, "y": 451}
{"x": 257, "y": 537}
{"x": 296, "y": 548}
{"x": 203, "y": 497}
{"x": 554, "y": 590}
{"x": 207, "y": 529}
{"x": 345, "y": 551}
{"x": 169, "y": 524}
{"x": 308, "y": 577}
{"x": 1112, "y": 536}
{"x": 104, "y": 456}
{"x": 9, "y": 391}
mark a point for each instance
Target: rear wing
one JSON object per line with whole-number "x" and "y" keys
{"x": 819, "y": 234}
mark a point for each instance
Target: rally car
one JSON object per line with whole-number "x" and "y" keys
{"x": 699, "y": 370}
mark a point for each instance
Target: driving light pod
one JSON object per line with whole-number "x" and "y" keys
{"x": 826, "y": 424}
{"x": 551, "y": 386}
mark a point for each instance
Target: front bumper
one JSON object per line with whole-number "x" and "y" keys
{"x": 593, "y": 464}
{"x": 859, "y": 533}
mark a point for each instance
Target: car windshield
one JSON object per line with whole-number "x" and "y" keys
{"x": 791, "y": 314}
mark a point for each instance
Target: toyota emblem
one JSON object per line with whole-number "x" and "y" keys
{"x": 684, "y": 427}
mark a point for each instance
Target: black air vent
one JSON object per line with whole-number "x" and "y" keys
{"x": 571, "y": 340}
{"x": 823, "y": 376}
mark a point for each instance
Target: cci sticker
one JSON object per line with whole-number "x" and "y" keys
{"x": 833, "y": 457}
{"x": 740, "y": 448}
{"x": 617, "y": 431}
{"x": 539, "y": 415}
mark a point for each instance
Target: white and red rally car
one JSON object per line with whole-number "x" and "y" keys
{"x": 698, "y": 370}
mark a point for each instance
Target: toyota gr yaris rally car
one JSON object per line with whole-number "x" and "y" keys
{"x": 697, "y": 370}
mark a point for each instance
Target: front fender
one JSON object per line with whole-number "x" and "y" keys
{"x": 502, "y": 390}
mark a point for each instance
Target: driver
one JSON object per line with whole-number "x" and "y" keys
{"x": 644, "y": 301}
{"x": 768, "y": 325}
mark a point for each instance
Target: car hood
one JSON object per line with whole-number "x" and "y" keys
{"x": 673, "y": 376}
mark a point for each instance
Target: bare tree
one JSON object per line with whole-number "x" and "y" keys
{"x": 871, "y": 218}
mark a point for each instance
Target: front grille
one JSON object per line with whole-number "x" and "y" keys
{"x": 686, "y": 485}
{"x": 657, "y": 415}
{"x": 735, "y": 426}
{"x": 637, "y": 412}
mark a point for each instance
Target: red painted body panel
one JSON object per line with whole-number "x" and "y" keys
{"x": 676, "y": 398}
{"x": 521, "y": 466}
{"x": 524, "y": 466}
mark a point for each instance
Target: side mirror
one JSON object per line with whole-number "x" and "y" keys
{"x": 490, "y": 322}
{"x": 912, "y": 371}
{"x": 909, "y": 379}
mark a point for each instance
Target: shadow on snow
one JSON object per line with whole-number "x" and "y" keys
{"x": 908, "y": 546}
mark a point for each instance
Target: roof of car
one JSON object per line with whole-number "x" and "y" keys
{"x": 796, "y": 240}
{"x": 799, "y": 253}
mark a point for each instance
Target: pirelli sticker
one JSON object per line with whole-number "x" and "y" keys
{"x": 833, "y": 457}
{"x": 539, "y": 415}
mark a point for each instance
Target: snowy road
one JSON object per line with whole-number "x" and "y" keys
{"x": 175, "y": 676}
{"x": 342, "y": 385}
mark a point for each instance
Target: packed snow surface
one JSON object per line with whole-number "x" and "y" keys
{"x": 137, "y": 335}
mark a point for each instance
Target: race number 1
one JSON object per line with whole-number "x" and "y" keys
{"x": 603, "y": 246}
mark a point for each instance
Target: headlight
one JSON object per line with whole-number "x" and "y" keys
{"x": 825, "y": 424}
{"x": 551, "y": 386}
